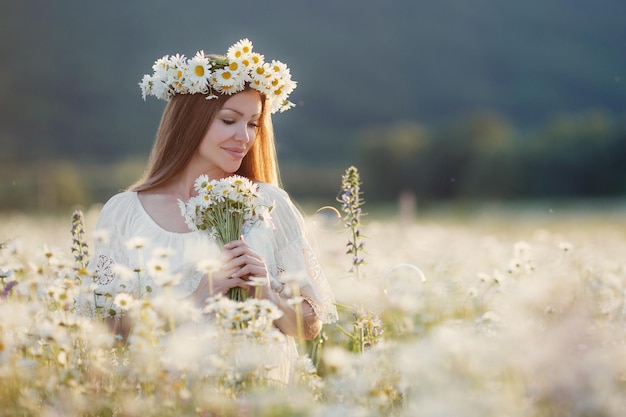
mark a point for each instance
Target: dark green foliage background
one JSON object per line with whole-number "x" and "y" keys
{"x": 448, "y": 98}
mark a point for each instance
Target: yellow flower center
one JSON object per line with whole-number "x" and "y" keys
{"x": 226, "y": 75}
{"x": 256, "y": 59}
{"x": 233, "y": 66}
{"x": 179, "y": 74}
{"x": 199, "y": 70}
{"x": 260, "y": 70}
{"x": 246, "y": 49}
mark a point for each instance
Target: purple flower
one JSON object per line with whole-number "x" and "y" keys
{"x": 7, "y": 289}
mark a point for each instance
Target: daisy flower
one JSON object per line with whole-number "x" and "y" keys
{"x": 198, "y": 72}
{"x": 227, "y": 81}
{"x": 229, "y": 74}
{"x": 162, "y": 252}
{"x": 136, "y": 242}
{"x": 260, "y": 73}
{"x": 241, "y": 49}
{"x": 161, "y": 66}
{"x": 199, "y": 66}
{"x": 177, "y": 73}
{"x": 223, "y": 77}
{"x": 161, "y": 89}
{"x": 157, "y": 267}
{"x": 123, "y": 272}
{"x": 565, "y": 246}
{"x": 146, "y": 86}
{"x": 201, "y": 183}
{"x": 252, "y": 62}
{"x": 286, "y": 105}
{"x": 269, "y": 309}
{"x": 279, "y": 68}
{"x": 167, "y": 279}
{"x": 124, "y": 301}
{"x": 209, "y": 266}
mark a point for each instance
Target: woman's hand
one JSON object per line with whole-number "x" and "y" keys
{"x": 297, "y": 320}
{"x": 244, "y": 262}
{"x": 239, "y": 263}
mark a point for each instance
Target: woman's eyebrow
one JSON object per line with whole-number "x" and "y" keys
{"x": 239, "y": 113}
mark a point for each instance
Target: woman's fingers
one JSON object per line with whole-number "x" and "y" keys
{"x": 243, "y": 261}
{"x": 249, "y": 269}
{"x": 222, "y": 286}
{"x": 238, "y": 248}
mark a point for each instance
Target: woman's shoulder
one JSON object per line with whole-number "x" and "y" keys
{"x": 283, "y": 207}
{"x": 272, "y": 192}
{"x": 121, "y": 200}
{"x": 119, "y": 206}
{"x": 271, "y": 189}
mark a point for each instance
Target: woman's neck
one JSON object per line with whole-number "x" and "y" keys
{"x": 182, "y": 186}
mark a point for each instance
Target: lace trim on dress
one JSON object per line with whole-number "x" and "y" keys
{"x": 104, "y": 270}
{"x": 191, "y": 279}
{"x": 104, "y": 277}
{"x": 325, "y": 307}
{"x": 275, "y": 273}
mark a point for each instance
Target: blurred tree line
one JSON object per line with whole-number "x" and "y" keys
{"x": 391, "y": 87}
{"x": 480, "y": 157}
{"x": 485, "y": 157}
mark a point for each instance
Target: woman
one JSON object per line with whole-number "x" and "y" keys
{"x": 217, "y": 123}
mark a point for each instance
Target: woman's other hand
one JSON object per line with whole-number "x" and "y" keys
{"x": 238, "y": 264}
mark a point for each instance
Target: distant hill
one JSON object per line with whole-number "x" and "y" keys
{"x": 68, "y": 83}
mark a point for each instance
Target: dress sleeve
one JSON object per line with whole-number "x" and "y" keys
{"x": 295, "y": 259}
{"x": 96, "y": 298}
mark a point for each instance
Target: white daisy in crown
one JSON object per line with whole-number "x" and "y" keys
{"x": 252, "y": 62}
{"x": 146, "y": 85}
{"x": 177, "y": 73}
{"x": 239, "y": 50}
{"x": 199, "y": 69}
{"x": 239, "y": 69}
{"x": 227, "y": 81}
{"x": 279, "y": 68}
{"x": 160, "y": 66}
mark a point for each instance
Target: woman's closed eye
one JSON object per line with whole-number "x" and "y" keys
{"x": 229, "y": 122}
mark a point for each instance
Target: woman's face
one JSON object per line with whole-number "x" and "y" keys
{"x": 231, "y": 135}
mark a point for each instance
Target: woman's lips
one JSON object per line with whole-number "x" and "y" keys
{"x": 237, "y": 153}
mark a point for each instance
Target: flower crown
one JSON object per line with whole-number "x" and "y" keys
{"x": 230, "y": 74}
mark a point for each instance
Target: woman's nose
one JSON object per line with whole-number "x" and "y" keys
{"x": 243, "y": 133}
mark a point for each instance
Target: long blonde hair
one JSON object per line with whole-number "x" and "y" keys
{"x": 184, "y": 123}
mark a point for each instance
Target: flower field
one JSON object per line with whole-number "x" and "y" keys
{"x": 500, "y": 312}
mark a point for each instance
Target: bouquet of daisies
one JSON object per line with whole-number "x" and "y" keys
{"x": 224, "y": 208}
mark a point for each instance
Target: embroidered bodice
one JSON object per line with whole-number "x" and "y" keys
{"x": 133, "y": 237}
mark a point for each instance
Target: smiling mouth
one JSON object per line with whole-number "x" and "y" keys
{"x": 237, "y": 153}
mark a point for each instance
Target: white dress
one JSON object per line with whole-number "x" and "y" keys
{"x": 283, "y": 246}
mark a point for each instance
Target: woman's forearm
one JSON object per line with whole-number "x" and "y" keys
{"x": 299, "y": 320}
{"x": 119, "y": 326}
